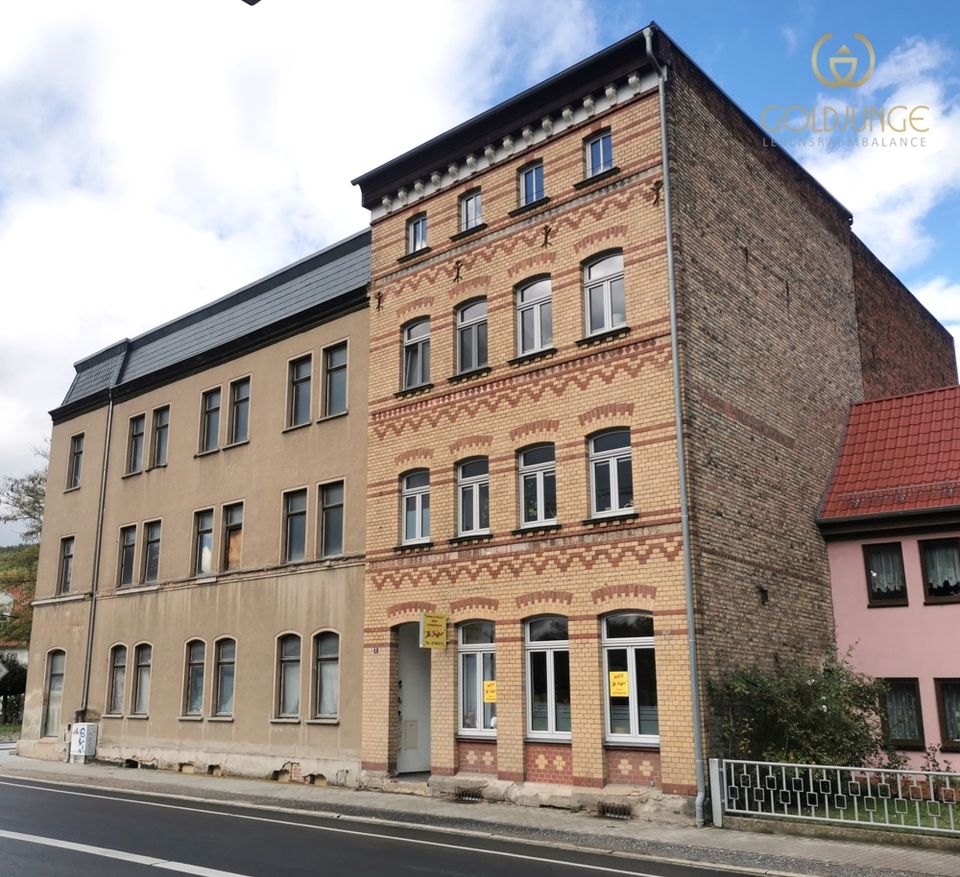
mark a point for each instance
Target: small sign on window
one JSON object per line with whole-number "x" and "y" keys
{"x": 490, "y": 691}
{"x": 619, "y": 683}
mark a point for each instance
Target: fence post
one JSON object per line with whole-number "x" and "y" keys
{"x": 716, "y": 792}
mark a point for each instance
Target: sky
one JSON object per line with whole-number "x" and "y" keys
{"x": 154, "y": 156}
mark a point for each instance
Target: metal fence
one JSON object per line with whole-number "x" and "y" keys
{"x": 910, "y": 800}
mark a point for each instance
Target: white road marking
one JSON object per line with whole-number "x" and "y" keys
{"x": 327, "y": 828}
{"x": 148, "y": 861}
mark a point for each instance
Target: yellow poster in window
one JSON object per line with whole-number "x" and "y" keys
{"x": 619, "y": 683}
{"x": 489, "y": 692}
{"x": 433, "y": 630}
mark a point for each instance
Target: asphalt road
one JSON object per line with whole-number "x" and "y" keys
{"x": 54, "y": 831}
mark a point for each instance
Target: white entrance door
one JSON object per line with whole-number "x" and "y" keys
{"x": 414, "y": 699}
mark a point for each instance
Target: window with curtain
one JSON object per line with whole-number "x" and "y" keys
{"x": 288, "y": 697}
{"x": 327, "y": 699}
{"x": 143, "y": 657}
{"x": 904, "y": 721}
{"x": 941, "y": 569}
{"x": 886, "y": 583}
{"x": 226, "y": 660}
{"x": 118, "y": 675}
{"x": 193, "y": 693}
{"x": 56, "y": 667}
{"x": 948, "y": 702}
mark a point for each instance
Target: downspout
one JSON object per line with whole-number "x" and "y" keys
{"x": 81, "y": 715}
{"x": 681, "y": 450}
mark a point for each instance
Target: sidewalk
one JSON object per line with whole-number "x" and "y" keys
{"x": 761, "y": 853}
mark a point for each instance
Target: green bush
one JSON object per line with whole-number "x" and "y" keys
{"x": 826, "y": 713}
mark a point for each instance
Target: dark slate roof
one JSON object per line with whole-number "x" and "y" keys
{"x": 317, "y": 280}
{"x": 898, "y": 456}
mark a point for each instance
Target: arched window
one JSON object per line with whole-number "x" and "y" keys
{"x": 611, "y": 473}
{"x": 473, "y": 497}
{"x": 603, "y": 289}
{"x": 288, "y": 676}
{"x": 415, "y": 504}
{"x": 630, "y": 679}
{"x": 538, "y": 486}
{"x": 143, "y": 658}
{"x": 478, "y": 678}
{"x": 56, "y": 668}
{"x": 225, "y": 661}
{"x": 548, "y": 678}
{"x": 193, "y": 678}
{"x": 327, "y": 652}
{"x": 472, "y": 336}
{"x": 118, "y": 676}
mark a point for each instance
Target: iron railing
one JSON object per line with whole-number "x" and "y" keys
{"x": 912, "y": 800}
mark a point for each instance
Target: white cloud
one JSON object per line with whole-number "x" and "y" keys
{"x": 153, "y": 157}
{"x": 941, "y": 297}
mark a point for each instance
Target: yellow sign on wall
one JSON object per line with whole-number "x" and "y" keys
{"x": 433, "y": 630}
{"x": 489, "y": 692}
{"x": 619, "y": 683}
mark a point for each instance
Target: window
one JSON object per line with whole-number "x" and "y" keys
{"x": 417, "y": 233}
{"x": 161, "y": 436}
{"x": 128, "y": 551}
{"x": 239, "y": 411}
{"x": 331, "y": 519}
{"x": 288, "y": 699}
{"x": 232, "y": 535}
{"x": 611, "y": 473}
{"x": 151, "y": 551}
{"x": 416, "y": 506}
{"x": 941, "y": 569}
{"x": 886, "y": 584}
{"x": 416, "y": 354}
{"x": 143, "y": 656}
{"x": 226, "y": 660}
{"x": 948, "y": 705}
{"x": 298, "y": 406}
{"x": 210, "y": 421}
{"x": 471, "y": 210}
{"x": 135, "y": 444}
{"x": 327, "y": 698}
{"x": 904, "y": 722}
{"x": 548, "y": 678}
{"x": 193, "y": 689}
{"x": 530, "y": 182}
{"x": 294, "y": 526}
{"x": 118, "y": 676}
{"x": 203, "y": 542}
{"x": 478, "y": 678}
{"x": 65, "y": 573}
{"x": 538, "y": 486}
{"x": 75, "y": 466}
{"x": 473, "y": 493}
{"x": 56, "y": 667}
{"x": 630, "y": 679}
{"x": 472, "y": 336}
{"x": 534, "y": 317}
{"x": 603, "y": 288}
{"x": 335, "y": 380}
{"x": 599, "y": 154}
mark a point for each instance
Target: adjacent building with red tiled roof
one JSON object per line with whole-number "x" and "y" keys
{"x": 891, "y": 518}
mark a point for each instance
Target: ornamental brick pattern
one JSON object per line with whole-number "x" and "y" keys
{"x": 632, "y": 767}
{"x": 549, "y": 763}
{"x": 475, "y": 756}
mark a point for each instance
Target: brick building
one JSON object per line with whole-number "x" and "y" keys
{"x": 550, "y": 308}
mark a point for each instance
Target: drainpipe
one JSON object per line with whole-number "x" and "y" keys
{"x": 681, "y": 451}
{"x": 81, "y": 715}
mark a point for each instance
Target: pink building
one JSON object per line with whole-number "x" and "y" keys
{"x": 891, "y": 518}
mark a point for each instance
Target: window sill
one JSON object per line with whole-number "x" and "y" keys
{"x": 223, "y": 719}
{"x": 131, "y": 474}
{"x": 531, "y": 206}
{"x": 136, "y": 589}
{"x": 612, "y": 518}
{"x": 285, "y": 721}
{"x": 908, "y": 746}
{"x": 473, "y": 373}
{"x": 410, "y": 547}
{"x": 597, "y": 178}
{"x": 533, "y": 529}
{"x": 71, "y": 489}
{"x": 532, "y": 356}
{"x": 409, "y": 257}
{"x": 60, "y": 598}
{"x": 205, "y": 579}
{"x": 467, "y": 538}
{"x": 236, "y": 445}
{"x": 156, "y": 466}
{"x": 632, "y": 744}
{"x": 887, "y": 605}
{"x": 560, "y": 738}
{"x": 296, "y": 426}
{"x": 473, "y": 735}
{"x": 331, "y": 720}
{"x": 200, "y": 454}
{"x": 605, "y": 335}
{"x": 937, "y": 601}
{"x": 112, "y": 716}
{"x": 460, "y": 235}
{"x": 413, "y": 391}
{"x": 139, "y": 717}
{"x": 336, "y": 416}
{"x": 189, "y": 718}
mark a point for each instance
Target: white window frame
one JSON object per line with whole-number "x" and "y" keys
{"x": 610, "y": 459}
{"x": 631, "y": 645}
{"x": 472, "y": 199}
{"x": 522, "y": 174}
{"x": 536, "y": 306}
{"x": 539, "y": 471}
{"x": 468, "y": 490}
{"x": 475, "y": 652}
{"x": 605, "y": 164}
{"x": 471, "y": 326}
{"x": 417, "y": 233}
{"x": 419, "y": 345}
{"x": 417, "y": 494}
{"x": 550, "y": 647}
{"x": 603, "y": 283}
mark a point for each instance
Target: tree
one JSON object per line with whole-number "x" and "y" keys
{"x": 21, "y": 499}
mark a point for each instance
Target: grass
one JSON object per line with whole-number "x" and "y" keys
{"x": 9, "y": 733}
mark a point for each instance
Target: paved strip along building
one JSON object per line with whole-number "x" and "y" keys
{"x": 547, "y": 309}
